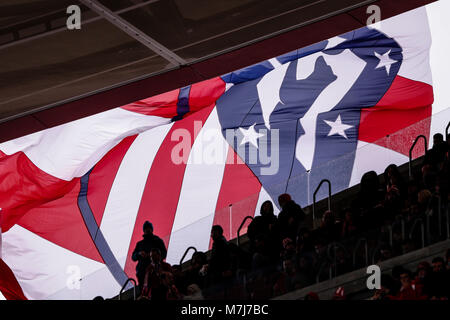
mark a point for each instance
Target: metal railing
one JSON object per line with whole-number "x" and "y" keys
{"x": 124, "y": 286}
{"x": 440, "y": 215}
{"x": 447, "y": 131}
{"x": 376, "y": 251}
{"x": 239, "y": 229}
{"x": 185, "y": 253}
{"x": 412, "y": 148}
{"x": 401, "y": 221}
{"x": 335, "y": 245}
{"x": 366, "y": 251}
{"x": 319, "y": 272}
{"x": 448, "y": 223}
{"x": 422, "y": 230}
{"x": 315, "y": 194}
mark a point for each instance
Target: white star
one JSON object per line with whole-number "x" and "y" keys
{"x": 250, "y": 135}
{"x": 338, "y": 127}
{"x": 385, "y": 61}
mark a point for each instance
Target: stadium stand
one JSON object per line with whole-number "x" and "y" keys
{"x": 398, "y": 220}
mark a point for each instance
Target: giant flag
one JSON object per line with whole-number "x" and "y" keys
{"x": 74, "y": 197}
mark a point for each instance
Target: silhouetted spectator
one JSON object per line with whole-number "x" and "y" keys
{"x": 392, "y": 177}
{"x": 329, "y": 229}
{"x": 429, "y": 178}
{"x": 438, "y": 285}
{"x": 219, "y": 266}
{"x": 141, "y": 253}
{"x": 408, "y": 291}
{"x": 289, "y": 249}
{"x": 290, "y": 217}
{"x": 422, "y": 276}
{"x": 289, "y": 279}
{"x": 305, "y": 270}
{"x": 265, "y": 225}
{"x": 305, "y": 242}
{"x": 179, "y": 278}
{"x": 261, "y": 256}
{"x": 193, "y": 275}
{"x": 385, "y": 292}
{"x": 349, "y": 228}
{"x": 158, "y": 279}
{"x": 370, "y": 193}
{"x": 437, "y": 154}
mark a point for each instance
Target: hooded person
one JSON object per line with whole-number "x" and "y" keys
{"x": 265, "y": 225}
{"x": 290, "y": 217}
{"x": 141, "y": 253}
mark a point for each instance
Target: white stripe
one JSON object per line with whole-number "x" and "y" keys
{"x": 371, "y": 157}
{"x": 411, "y": 30}
{"x": 72, "y": 149}
{"x": 1, "y": 296}
{"x": 126, "y": 193}
{"x": 440, "y": 63}
{"x": 199, "y": 192}
{"x": 43, "y": 269}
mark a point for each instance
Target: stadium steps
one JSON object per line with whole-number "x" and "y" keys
{"x": 339, "y": 201}
{"x": 354, "y": 283}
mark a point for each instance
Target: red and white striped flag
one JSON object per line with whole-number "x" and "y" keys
{"x": 75, "y": 196}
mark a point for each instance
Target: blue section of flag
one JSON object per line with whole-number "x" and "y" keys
{"x": 249, "y": 73}
{"x": 183, "y": 103}
{"x": 336, "y": 129}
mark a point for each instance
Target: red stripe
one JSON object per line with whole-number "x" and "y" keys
{"x": 240, "y": 187}
{"x": 406, "y": 103}
{"x": 202, "y": 94}
{"x": 44, "y": 199}
{"x": 60, "y": 222}
{"x": 162, "y": 105}
{"x": 162, "y": 190}
{"x": 205, "y": 93}
{"x": 9, "y": 286}
{"x": 25, "y": 186}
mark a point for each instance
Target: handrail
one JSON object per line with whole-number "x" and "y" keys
{"x": 439, "y": 215}
{"x": 335, "y": 244}
{"x": 315, "y": 193}
{"x": 412, "y": 148}
{"x": 377, "y": 249}
{"x": 358, "y": 243}
{"x": 185, "y": 253}
{"x": 446, "y": 131}
{"x": 125, "y": 284}
{"x": 319, "y": 272}
{"x": 428, "y": 226}
{"x": 391, "y": 228}
{"x": 448, "y": 223}
{"x": 239, "y": 229}
{"x": 422, "y": 229}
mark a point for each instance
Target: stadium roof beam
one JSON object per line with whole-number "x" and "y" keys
{"x": 134, "y": 32}
{"x": 51, "y": 23}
